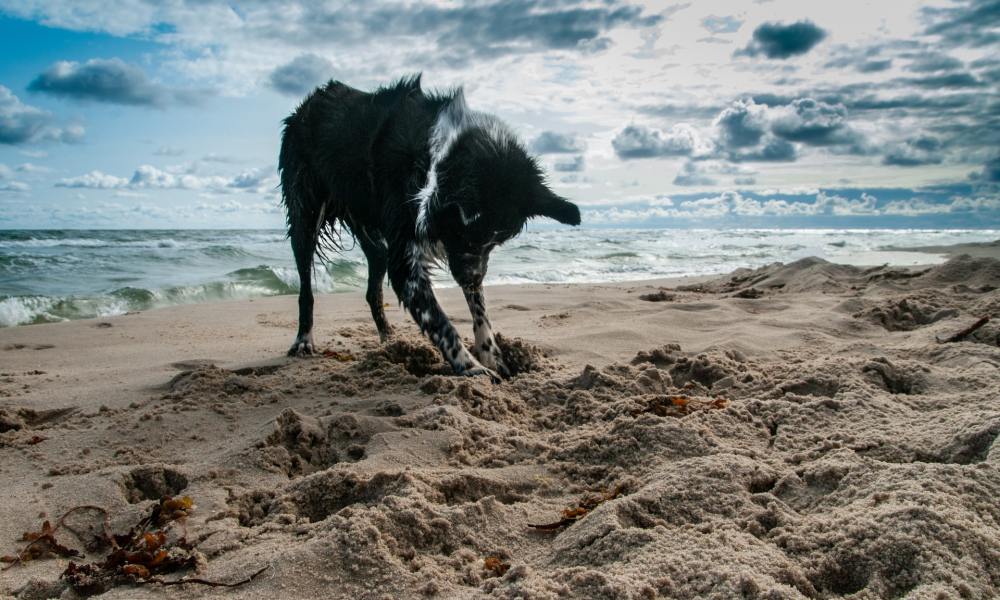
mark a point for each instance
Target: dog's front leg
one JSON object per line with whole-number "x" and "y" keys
{"x": 486, "y": 348}
{"x": 418, "y": 297}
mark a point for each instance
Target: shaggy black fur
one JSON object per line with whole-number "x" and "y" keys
{"x": 416, "y": 178}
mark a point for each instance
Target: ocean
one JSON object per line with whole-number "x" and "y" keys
{"x": 48, "y": 276}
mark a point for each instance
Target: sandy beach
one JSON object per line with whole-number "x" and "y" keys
{"x": 793, "y": 431}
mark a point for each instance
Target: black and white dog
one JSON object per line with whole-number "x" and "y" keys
{"x": 417, "y": 179}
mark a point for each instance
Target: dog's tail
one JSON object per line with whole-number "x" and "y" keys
{"x": 302, "y": 193}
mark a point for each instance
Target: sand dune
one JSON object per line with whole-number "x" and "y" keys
{"x": 794, "y": 431}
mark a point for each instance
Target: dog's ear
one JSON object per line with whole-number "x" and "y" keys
{"x": 556, "y": 207}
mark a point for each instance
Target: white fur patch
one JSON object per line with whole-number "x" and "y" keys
{"x": 454, "y": 120}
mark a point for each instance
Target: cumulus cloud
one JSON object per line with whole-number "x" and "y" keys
{"x": 744, "y": 134}
{"x": 14, "y": 186}
{"x": 690, "y": 174}
{"x": 301, "y": 74}
{"x": 150, "y": 177}
{"x": 990, "y": 172}
{"x": 743, "y": 124}
{"x": 773, "y": 150}
{"x": 22, "y": 124}
{"x": 707, "y": 172}
{"x": 9, "y": 185}
{"x": 923, "y": 150}
{"x": 573, "y": 164}
{"x": 551, "y": 142}
{"x": 637, "y": 141}
{"x": 31, "y": 168}
{"x": 723, "y": 24}
{"x": 107, "y": 80}
{"x": 812, "y": 122}
{"x": 775, "y": 40}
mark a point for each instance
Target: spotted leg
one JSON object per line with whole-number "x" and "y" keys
{"x": 410, "y": 280}
{"x": 486, "y": 348}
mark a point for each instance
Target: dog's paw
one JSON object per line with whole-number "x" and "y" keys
{"x": 480, "y": 370}
{"x": 385, "y": 336}
{"x": 502, "y": 369}
{"x": 492, "y": 359}
{"x": 302, "y": 346}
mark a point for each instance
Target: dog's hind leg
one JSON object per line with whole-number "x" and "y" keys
{"x": 375, "y": 253}
{"x": 303, "y": 233}
{"x": 486, "y": 348}
{"x": 412, "y": 284}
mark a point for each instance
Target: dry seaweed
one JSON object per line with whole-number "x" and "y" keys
{"x": 495, "y": 567}
{"x": 573, "y": 514}
{"x": 42, "y": 543}
{"x": 677, "y": 406}
{"x": 150, "y": 549}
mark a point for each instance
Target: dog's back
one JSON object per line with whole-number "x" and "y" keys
{"x": 341, "y": 149}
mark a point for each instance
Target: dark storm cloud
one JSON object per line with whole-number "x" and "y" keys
{"x": 990, "y": 172}
{"x": 741, "y": 125}
{"x": 493, "y": 29}
{"x": 637, "y": 141}
{"x": 107, "y": 80}
{"x": 775, "y": 40}
{"x": 551, "y": 142}
{"x": 923, "y": 150}
{"x": 301, "y": 75}
{"x": 948, "y": 80}
{"x": 22, "y": 124}
{"x": 968, "y": 23}
{"x": 874, "y": 66}
{"x": 723, "y": 24}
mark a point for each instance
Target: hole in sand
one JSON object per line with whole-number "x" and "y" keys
{"x": 152, "y": 482}
{"x": 847, "y": 576}
{"x": 253, "y": 508}
{"x": 897, "y": 379}
{"x": 463, "y": 489}
{"x": 417, "y": 356}
{"x": 520, "y": 356}
{"x": 323, "y": 494}
{"x": 812, "y": 386}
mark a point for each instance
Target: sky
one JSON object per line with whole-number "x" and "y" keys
{"x": 764, "y": 113}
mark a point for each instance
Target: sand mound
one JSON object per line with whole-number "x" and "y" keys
{"x": 806, "y": 274}
{"x": 979, "y": 274}
{"x": 909, "y": 312}
{"x": 815, "y": 274}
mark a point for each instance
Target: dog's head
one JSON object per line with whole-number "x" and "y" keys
{"x": 487, "y": 188}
